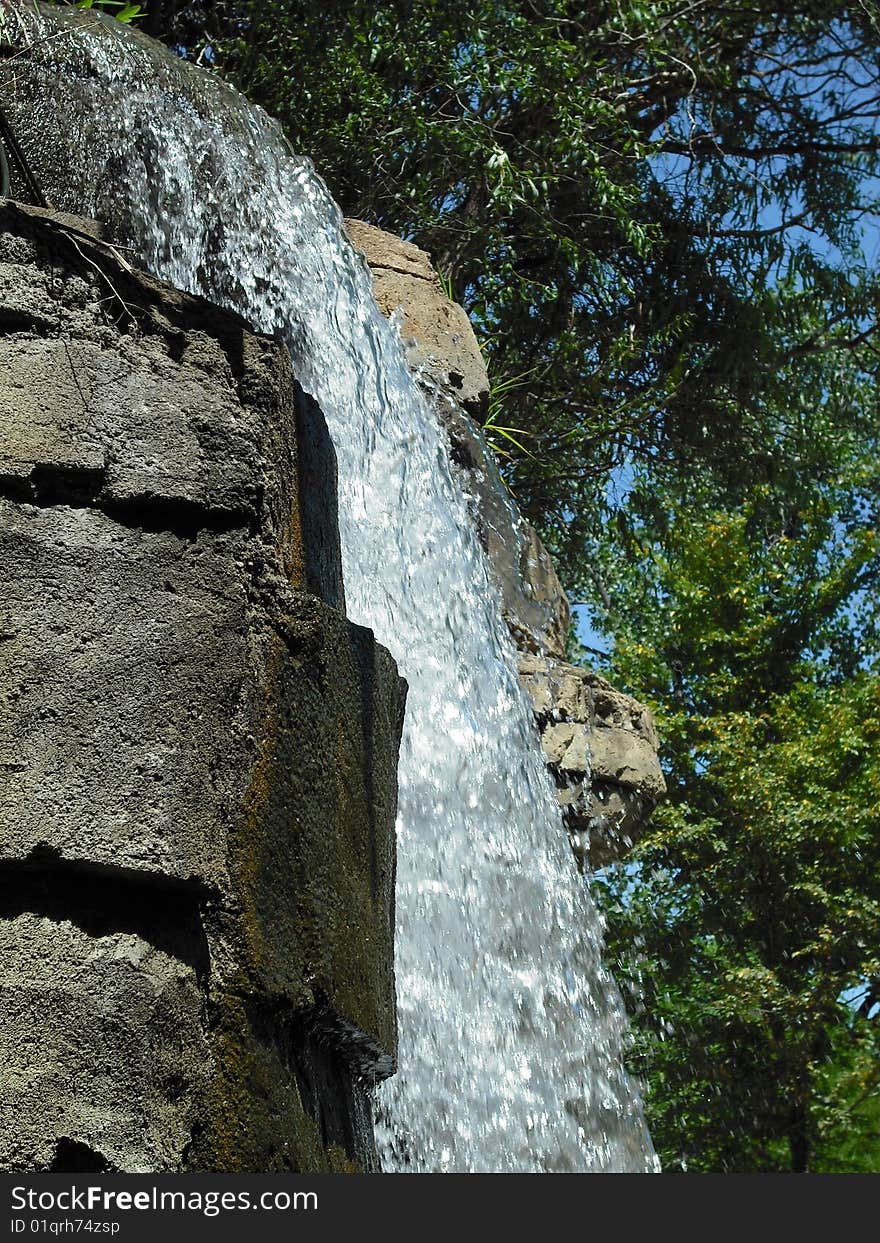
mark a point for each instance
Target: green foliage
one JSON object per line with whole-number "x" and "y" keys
{"x": 122, "y": 10}
{"x": 753, "y": 904}
{"x": 502, "y": 439}
{"x": 654, "y": 210}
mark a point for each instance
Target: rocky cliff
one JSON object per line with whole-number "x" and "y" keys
{"x": 601, "y": 745}
{"x": 197, "y": 750}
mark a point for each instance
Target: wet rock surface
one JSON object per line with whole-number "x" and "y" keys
{"x": 197, "y": 751}
{"x": 533, "y": 602}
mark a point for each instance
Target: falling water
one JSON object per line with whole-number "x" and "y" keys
{"x": 511, "y": 1028}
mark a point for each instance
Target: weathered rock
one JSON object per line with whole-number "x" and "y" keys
{"x": 437, "y": 332}
{"x": 533, "y": 603}
{"x": 197, "y": 750}
{"x": 104, "y": 1051}
{"x": 601, "y": 747}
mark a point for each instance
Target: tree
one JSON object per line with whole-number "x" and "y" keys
{"x": 753, "y": 905}
{"x": 652, "y": 211}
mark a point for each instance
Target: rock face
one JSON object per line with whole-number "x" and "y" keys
{"x": 532, "y": 600}
{"x": 437, "y": 332}
{"x": 601, "y": 746}
{"x": 197, "y": 751}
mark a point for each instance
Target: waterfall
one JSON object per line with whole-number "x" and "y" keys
{"x": 511, "y": 1029}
